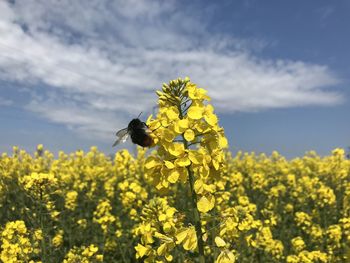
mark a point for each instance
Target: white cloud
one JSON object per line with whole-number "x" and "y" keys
{"x": 83, "y": 119}
{"x": 104, "y": 59}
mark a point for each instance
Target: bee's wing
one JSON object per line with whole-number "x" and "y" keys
{"x": 122, "y": 136}
{"x": 122, "y": 132}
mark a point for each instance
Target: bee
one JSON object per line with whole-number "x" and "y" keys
{"x": 138, "y": 131}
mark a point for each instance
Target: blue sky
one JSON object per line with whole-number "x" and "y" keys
{"x": 72, "y": 73}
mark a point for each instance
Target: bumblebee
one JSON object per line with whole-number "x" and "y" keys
{"x": 138, "y": 132}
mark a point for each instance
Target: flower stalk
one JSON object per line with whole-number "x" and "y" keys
{"x": 196, "y": 214}
{"x": 196, "y": 218}
{"x": 190, "y": 152}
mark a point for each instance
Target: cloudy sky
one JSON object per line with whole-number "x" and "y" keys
{"x": 74, "y": 72}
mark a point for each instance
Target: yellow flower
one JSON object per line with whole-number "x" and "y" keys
{"x": 188, "y": 238}
{"x": 16, "y": 245}
{"x": 58, "y": 239}
{"x": 103, "y": 216}
{"x": 176, "y": 149}
{"x": 220, "y": 242}
{"x": 298, "y": 244}
{"x": 226, "y": 256}
{"x": 142, "y": 251}
{"x": 195, "y": 93}
{"x": 206, "y": 203}
{"x": 195, "y": 112}
{"x": 172, "y": 113}
{"x": 70, "y": 200}
{"x": 189, "y": 135}
{"x": 83, "y": 254}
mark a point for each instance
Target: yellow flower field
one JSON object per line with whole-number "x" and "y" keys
{"x": 187, "y": 199}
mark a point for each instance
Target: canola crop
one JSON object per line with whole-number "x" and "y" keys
{"x": 187, "y": 199}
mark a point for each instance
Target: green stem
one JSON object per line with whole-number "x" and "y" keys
{"x": 197, "y": 218}
{"x": 41, "y": 218}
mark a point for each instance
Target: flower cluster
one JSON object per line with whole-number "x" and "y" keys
{"x": 18, "y": 244}
{"x": 157, "y": 231}
{"x": 38, "y": 184}
{"x": 189, "y": 139}
{"x": 84, "y": 255}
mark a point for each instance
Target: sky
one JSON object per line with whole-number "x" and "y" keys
{"x": 74, "y": 72}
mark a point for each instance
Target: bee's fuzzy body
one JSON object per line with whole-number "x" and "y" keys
{"x": 139, "y": 134}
